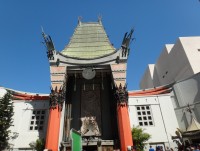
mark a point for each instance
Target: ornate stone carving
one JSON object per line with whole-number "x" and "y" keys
{"x": 57, "y": 97}
{"x": 89, "y": 126}
{"x": 121, "y": 94}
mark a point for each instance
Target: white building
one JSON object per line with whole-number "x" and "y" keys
{"x": 160, "y": 111}
{"x": 30, "y": 118}
{"x": 187, "y": 95}
{"x": 177, "y": 62}
{"x": 153, "y": 111}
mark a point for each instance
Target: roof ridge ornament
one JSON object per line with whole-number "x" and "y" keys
{"x": 126, "y": 42}
{"x": 49, "y": 45}
{"x": 100, "y": 19}
{"x": 79, "y": 20}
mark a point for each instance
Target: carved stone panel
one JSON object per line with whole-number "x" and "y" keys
{"x": 91, "y": 110}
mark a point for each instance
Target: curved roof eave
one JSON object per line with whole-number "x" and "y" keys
{"x": 20, "y": 95}
{"x": 77, "y": 58}
{"x": 152, "y": 91}
{"x": 107, "y": 59}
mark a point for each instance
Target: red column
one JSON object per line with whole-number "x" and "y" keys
{"x": 124, "y": 127}
{"x": 58, "y": 78}
{"x": 53, "y": 129}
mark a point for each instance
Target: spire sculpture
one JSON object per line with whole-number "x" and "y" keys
{"x": 126, "y": 42}
{"x": 49, "y": 45}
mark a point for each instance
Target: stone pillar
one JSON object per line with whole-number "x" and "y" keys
{"x": 121, "y": 94}
{"x": 57, "y": 98}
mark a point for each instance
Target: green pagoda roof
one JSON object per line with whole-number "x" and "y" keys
{"x": 88, "y": 41}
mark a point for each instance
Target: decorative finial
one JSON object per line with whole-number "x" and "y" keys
{"x": 79, "y": 20}
{"x": 126, "y": 42}
{"x": 42, "y": 29}
{"x": 43, "y": 34}
{"x": 49, "y": 45}
{"x": 100, "y": 18}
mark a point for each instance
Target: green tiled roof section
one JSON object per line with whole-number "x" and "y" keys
{"x": 89, "y": 41}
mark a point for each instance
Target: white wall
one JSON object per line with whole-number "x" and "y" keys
{"x": 165, "y": 122}
{"x": 162, "y": 67}
{"x": 179, "y": 65}
{"x": 176, "y": 62}
{"x": 169, "y": 116}
{"x": 191, "y": 46}
{"x": 173, "y": 64}
{"x": 187, "y": 92}
{"x": 2, "y": 92}
{"x": 147, "y": 80}
{"x": 21, "y": 124}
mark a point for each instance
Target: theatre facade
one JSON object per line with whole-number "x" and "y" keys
{"x": 89, "y": 95}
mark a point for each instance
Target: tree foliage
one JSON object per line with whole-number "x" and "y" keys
{"x": 6, "y": 113}
{"x": 139, "y": 138}
{"x": 39, "y": 145}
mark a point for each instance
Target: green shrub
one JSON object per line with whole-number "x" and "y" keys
{"x": 139, "y": 137}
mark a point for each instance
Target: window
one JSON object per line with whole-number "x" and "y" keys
{"x": 37, "y": 120}
{"x": 144, "y": 115}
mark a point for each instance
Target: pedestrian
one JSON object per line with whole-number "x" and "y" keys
{"x": 196, "y": 148}
{"x": 151, "y": 149}
{"x": 157, "y": 148}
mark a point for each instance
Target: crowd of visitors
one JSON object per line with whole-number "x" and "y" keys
{"x": 195, "y": 147}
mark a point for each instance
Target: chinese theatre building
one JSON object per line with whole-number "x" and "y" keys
{"x": 89, "y": 107}
{"x": 89, "y": 95}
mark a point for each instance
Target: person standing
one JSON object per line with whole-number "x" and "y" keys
{"x": 151, "y": 149}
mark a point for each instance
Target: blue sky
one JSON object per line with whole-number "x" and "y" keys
{"x": 23, "y": 62}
